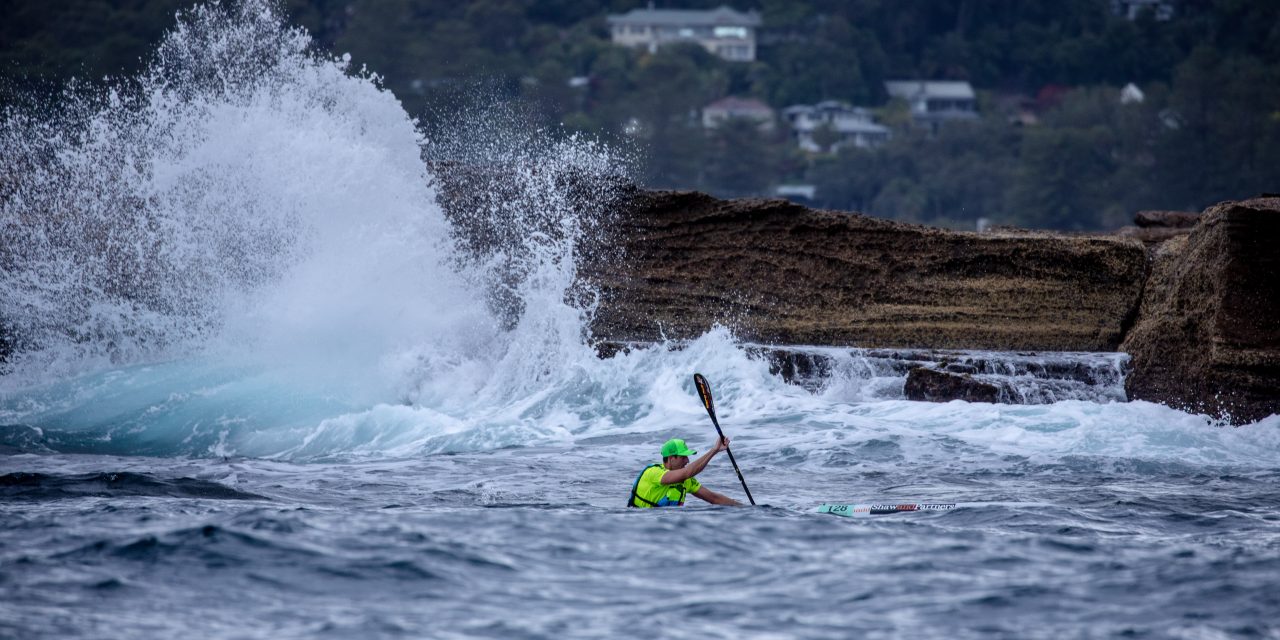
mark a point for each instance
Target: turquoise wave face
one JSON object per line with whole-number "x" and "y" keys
{"x": 185, "y": 408}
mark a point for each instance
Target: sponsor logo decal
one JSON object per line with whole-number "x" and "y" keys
{"x": 880, "y": 509}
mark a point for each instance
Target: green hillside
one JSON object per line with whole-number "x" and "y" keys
{"x": 1054, "y": 145}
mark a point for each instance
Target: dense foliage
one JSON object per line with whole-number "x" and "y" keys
{"x": 1209, "y": 128}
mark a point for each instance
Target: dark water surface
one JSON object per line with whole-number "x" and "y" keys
{"x": 535, "y": 543}
{"x": 257, "y": 391}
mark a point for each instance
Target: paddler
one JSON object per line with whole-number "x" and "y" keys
{"x": 667, "y": 484}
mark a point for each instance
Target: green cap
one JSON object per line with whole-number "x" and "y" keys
{"x": 676, "y": 447}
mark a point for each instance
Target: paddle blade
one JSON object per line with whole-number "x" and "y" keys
{"x": 704, "y": 392}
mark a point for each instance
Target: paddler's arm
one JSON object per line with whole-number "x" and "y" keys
{"x": 715, "y": 498}
{"x": 692, "y": 469}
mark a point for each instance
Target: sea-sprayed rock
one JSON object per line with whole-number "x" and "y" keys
{"x": 1207, "y": 337}
{"x": 1018, "y": 377}
{"x": 1152, "y": 236}
{"x": 495, "y": 209}
{"x": 1155, "y": 227}
{"x": 781, "y": 273}
{"x": 1166, "y": 219}
{"x": 669, "y": 265}
{"x": 931, "y": 385}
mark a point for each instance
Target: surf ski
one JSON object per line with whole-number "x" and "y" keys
{"x": 880, "y": 509}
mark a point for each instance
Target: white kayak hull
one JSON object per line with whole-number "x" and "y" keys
{"x": 880, "y": 509}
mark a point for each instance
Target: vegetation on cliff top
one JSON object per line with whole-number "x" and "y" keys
{"x": 1209, "y": 128}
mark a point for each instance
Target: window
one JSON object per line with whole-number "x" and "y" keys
{"x": 731, "y": 32}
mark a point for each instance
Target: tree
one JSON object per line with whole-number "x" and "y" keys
{"x": 851, "y": 179}
{"x": 740, "y": 159}
{"x": 1062, "y": 174}
{"x": 1219, "y": 133}
{"x": 825, "y": 136}
{"x": 901, "y": 198}
{"x": 967, "y": 170}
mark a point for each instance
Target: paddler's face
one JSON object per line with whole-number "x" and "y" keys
{"x": 677, "y": 462}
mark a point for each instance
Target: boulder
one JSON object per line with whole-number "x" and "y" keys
{"x": 1152, "y": 235}
{"x": 780, "y": 273}
{"x": 930, "y": 385}
{"x": 1166, "y": 219}
{"x": 1207, "y": 336}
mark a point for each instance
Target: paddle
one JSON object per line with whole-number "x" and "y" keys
{"x": 704, "y": 391}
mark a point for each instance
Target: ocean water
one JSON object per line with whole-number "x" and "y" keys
{"x": 255, "y": 391}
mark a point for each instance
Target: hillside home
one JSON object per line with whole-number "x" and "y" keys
{"x": 935, "y": 102}
{"x": 1131, "y": 94}
{"x": 725, "y": 32}
{"x": 851, "y": 126}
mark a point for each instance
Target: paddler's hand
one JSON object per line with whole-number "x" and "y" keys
{"x": 720, "y": 445}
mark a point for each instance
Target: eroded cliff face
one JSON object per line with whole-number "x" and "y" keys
{"x": 778, "y": 272}
{"x": 1208, "y": 335}
{"x": 1198, "y": 308}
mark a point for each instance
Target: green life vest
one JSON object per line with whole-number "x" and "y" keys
{"x": 656, "y": 494}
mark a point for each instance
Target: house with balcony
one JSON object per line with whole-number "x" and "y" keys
{"x": 844, "y": 124}
{"x": 724, "y": 32}
{"x": 933, "y": 103}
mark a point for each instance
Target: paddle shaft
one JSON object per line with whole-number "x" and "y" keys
{"x": 712, "y": 413}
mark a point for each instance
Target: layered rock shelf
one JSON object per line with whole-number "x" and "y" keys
{"x": 1208, "y": 336}
{"x": 780, "y": 273}
{"x": 1194, "y": 298}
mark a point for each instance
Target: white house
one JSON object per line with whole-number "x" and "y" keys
{"x": 733, "y": 107}
{"x": 934, "y": 102}
{"x": 725, "y": 32}
{"x": 851, "y": 126}
{"x": 1131, "y": 94}
{"x": 798, "y": 193}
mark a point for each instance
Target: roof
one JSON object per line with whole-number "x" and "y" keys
{"x": 802, "y": 190}
{"x": 825, "y": 105}
{"x": 834, "y": 105}
{"x": 955, "y": 90}
{"x": 718, "y": 17}
{"x": 1131, "y": 94}
{"x": 826, "y": 108}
